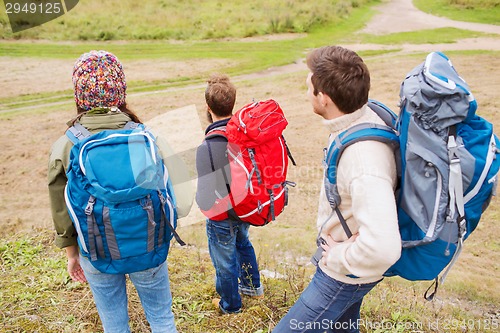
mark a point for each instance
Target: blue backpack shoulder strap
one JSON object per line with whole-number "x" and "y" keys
{"x": 357, "y": 133}
{"x": 133, "y": 125}
{"x": 77, "y": 133}
{"x": 361, "y": 132}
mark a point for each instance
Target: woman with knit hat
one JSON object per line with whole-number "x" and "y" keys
{"x": 100, "y": 91}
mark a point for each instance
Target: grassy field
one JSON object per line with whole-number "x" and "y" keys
{"x": 187, "y": 20}
{"x": 36, "y": 294}
{"x": 480, "y": 11}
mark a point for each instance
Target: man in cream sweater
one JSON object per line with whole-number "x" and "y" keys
{"x": 338, "y": 86}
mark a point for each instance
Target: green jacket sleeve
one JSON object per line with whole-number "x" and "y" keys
{"x": 58, "y": 162}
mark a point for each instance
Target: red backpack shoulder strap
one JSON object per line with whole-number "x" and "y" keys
{"x": 217, "y": 131}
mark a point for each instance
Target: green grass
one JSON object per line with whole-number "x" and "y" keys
{"x": 185, "y": 20}
{"x": 242, "y": 56}
{"x": 249, "y": 55}
{"x": 36, "y": 294}
{"x": 479, "y": 11}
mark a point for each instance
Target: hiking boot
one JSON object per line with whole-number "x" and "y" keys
{"x": 215, "y": 303}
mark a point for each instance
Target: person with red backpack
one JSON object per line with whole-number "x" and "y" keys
{"x": 230, "y": 248}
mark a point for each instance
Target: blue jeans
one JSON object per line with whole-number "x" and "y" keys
{"x": 110, "y": 297}
{"x": 235, "y": 264}
{"x": 326, "y": 305}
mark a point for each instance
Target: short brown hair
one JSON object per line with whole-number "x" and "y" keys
{"x": 342, "y": 75}
{"x": 220, "y": 95}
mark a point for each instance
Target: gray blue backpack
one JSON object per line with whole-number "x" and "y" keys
{"x": 448, "y": 161}
{"x": 120, "y": 198}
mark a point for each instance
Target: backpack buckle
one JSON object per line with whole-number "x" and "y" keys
{"x": 162, "y": 197}
{"x": 146, "y": 202}
{"x": 90, "y": 206}
{"x": 453, "y": 150}
{"x": 260, "y": 207}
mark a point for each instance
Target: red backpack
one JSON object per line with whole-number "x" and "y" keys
{"x": 258, "y": 162}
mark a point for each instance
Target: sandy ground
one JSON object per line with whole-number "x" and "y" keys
{"x": 20, "y": 76}
{"x": 23, "y": 192}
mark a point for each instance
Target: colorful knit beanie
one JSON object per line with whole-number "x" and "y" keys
{"x": 98, "y": 81}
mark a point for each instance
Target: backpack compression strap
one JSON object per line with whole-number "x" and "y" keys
{"x": 169, "y": 223}
{"x": 288, "y": 152}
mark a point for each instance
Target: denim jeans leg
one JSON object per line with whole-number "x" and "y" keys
{"x": 322, "y": 304}
{"x": 249, "y": 283}
{"x": 349, "y": 321}
{"x": 222, "y": 249}
{"x": 153, "y": 287}
{"x": 110, "y": 297}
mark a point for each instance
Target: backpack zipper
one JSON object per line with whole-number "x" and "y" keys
{"x": 242, "y": 123}
{"x": 432, "y": 226}
{"x": 251, "y": 153}
{"x": 142, "y": 133}
{"x": 236, "y": 160}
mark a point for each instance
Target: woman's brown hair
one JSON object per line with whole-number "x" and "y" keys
{"x": 123, "y": 108}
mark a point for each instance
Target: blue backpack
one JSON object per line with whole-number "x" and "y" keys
{"x": 120, "y": 198}
{"x": 448, "y": 161}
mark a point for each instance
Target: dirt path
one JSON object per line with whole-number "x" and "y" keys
{"x": 401, "y": 16}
